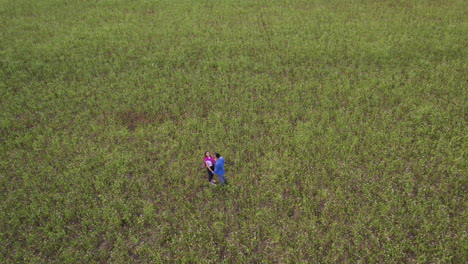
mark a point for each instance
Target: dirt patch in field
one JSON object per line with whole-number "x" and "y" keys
{"x": 132, "y": 119}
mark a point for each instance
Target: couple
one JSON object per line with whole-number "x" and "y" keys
{"x": 215, "y": 165}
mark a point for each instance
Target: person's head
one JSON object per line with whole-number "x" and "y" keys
{"x": 207, "y": 154}
{"x": 217, "y": 155}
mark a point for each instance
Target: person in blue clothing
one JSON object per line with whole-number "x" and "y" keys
{"x": 219, "y": 169}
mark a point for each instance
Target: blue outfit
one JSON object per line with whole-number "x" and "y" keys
{"x": 219, "y": 170}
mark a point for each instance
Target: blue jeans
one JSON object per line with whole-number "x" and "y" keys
{"x": 222, "y": 179}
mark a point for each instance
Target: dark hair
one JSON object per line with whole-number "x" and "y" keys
{"x": 206, "y": 152}
{"x": 217, "y": 155}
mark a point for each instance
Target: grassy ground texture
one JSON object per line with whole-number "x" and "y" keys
{"x": 343, "y": 125}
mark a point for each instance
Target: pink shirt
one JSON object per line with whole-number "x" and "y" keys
{"x": 209, "y": 161}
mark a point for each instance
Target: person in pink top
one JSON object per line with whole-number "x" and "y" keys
{"x": 209, "y": 164}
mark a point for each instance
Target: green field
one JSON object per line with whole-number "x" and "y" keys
{"x": 343, "y": 125}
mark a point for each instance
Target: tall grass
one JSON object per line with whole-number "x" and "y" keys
{"x": 343, "y": 124}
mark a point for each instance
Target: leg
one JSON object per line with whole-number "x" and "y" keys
{"x": 222, "y": 179}
{"x": 210, "y": 175}
{"x": 212, "y": 169}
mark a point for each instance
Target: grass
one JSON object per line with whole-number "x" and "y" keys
{"x": 343, "y": 125}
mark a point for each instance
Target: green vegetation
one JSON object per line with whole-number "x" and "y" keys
{"x": 343, "y": 125}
